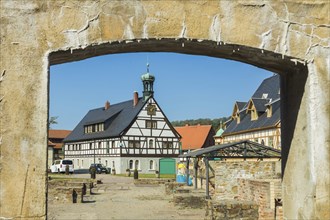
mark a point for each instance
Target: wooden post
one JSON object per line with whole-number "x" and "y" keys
{"x": 195, "y": 172}
{"x": 207, "y": 177}
{"x": 187, "y": 171}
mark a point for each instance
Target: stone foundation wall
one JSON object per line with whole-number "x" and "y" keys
{"x": 152, "y": 181}
{"x": 227, "y": 174}
{"x": 231, "y": 209}
{"x": 61, "y": 191}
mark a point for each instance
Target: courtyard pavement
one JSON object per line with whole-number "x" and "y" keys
{"x": 119, "y": 198}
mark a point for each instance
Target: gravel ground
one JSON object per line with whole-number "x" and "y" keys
{"x": 119, "y": 198}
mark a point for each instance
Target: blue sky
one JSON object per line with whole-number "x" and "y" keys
{"x": 186, "y": 86}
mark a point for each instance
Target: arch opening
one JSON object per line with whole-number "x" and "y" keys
{"x": 292, "y": 70}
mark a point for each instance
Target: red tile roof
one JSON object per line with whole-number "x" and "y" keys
{"x": 51, "y": 144}
{"x": 56, "y": 137}
{"x": 193, "y": 137}
{"x": 58, "y": 133}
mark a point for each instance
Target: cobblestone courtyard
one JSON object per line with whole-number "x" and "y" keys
{"x": 119, "y": 198}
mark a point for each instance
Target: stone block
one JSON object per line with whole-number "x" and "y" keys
{"x": 293, "y": 35}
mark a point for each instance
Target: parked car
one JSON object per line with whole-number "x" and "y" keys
{"x": 60, "y": 165}
{"x": 100, "y": 168}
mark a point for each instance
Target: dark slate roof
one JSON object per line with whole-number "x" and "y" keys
{"x": 260, "y": 104}
{"x": 271, "y": 87}
{"x": 241, "y": 105}
{"x": 117, "y": 119}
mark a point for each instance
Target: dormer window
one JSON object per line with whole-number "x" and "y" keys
{"x": 238, "y": 119}
{"x": 235, "y": 113}
{"x": 264, "y": 95}
{"x": 254, "y": 115}
{"x": 252, "y": 110}
{"x": 94, "y": 128}
{"x": 269, "y": 111}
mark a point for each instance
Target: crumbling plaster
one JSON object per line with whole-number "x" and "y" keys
{"x": 288, "y": 37}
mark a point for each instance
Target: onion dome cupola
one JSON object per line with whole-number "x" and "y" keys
{"x": 148, "y": 84}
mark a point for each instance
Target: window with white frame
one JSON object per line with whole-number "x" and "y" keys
{"x": 151, "y": 124}
{"x": 151, "y": 143}
{"x": 167, "y": 144}
{"x": 151, "y": 165}
{"x": 94, "y": 128}
{"x": 130, "y": 164}
{"x": 134, "y": 144}
{"x": 108, "y": 147}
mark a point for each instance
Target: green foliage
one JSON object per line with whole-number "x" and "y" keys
{"x": 52, "y": 121}
{"x": 202, "y": 121}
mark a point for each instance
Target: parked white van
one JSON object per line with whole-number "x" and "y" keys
{"x": 59, "y": 166}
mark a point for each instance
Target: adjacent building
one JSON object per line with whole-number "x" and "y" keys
{"x": 133, "y": 134}
{"x": 218, "y": 139}
{"x": 195, "y": 137}
{"x": 55, "y": 144}
{"x": 259, "y": 118}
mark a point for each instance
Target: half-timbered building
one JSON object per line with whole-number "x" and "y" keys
{"x": 259, "y": 119}
{"x": 133, "y": 134}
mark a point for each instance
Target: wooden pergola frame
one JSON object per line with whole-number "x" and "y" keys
{"x": 238, "y": 150}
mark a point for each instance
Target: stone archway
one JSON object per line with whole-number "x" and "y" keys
{"x": 290, "y": 38}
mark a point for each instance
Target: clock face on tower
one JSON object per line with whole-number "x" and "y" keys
{"x": 151, "y": 109}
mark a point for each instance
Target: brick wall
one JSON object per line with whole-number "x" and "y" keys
{"x": 256, "y": 181}
{"x": 263, "y": 192}
{"x": 228, "y": 172}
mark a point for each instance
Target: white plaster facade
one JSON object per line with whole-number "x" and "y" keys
{"x": 116, "y": 152}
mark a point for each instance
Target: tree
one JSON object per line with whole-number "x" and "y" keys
{"x": 52, "y": 121}
{"x": 202, "y": 121}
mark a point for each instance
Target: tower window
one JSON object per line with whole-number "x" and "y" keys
{"x": 151, "y": 124}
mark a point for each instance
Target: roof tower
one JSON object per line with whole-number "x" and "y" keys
{"x": 148, "y": 84}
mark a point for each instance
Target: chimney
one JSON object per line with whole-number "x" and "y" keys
{"x": 107, "y": 105}
{"x": 135, "y": 98}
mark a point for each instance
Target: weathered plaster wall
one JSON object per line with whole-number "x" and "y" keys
{"x": 289, "y": 37}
